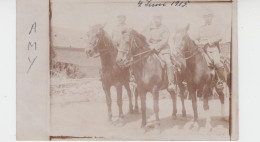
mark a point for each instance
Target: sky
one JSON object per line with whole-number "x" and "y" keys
{"x": 71, "y": 19}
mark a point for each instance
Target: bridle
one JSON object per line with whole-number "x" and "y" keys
{"x": 105, "y": 50}
{"x": 133, "y": 44}
{"x": 195, "y": 52}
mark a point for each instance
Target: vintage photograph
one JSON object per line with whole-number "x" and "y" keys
{"x": 140, "y": 70}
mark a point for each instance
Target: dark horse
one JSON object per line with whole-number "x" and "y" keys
{"x": 111, "y": 74}
{"x": 149, "y": 74}
{"x": 199, "y": 76}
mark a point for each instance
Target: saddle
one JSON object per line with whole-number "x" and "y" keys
{"x": 163, "y": 64}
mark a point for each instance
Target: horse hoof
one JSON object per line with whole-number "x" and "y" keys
{"x": 184, "y": 114}
{"x": 121, "y": 116}
{"x": 208, "y": 127}
{"x": 195, "y": 126}
{"x": 136, "y": 111}
{"x": 143, "y": 125}
{"x": 109, "y": 119}
{"x": 174, "y": 116}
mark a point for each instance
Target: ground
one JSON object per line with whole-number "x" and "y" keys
{"x": 78, "y": 109}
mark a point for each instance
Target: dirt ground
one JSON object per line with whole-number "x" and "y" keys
{"x": 78, "y": 109}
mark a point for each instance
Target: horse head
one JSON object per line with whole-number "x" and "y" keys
{"x": 95, "y": 36}
{"x": 183, "y": 42}
{"x": 131, "y": 44}
{"x": 179, "y": 38}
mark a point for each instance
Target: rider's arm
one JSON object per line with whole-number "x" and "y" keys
{"x": 114, "y": 37}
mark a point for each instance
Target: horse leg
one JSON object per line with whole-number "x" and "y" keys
{"x": 156, "y": 106}
{"x": 136, "y": 100}
{"x": 193, "y": 97}
{"x": 182, "y": 90}
{"x": 129, "y": 98}
{"x": 192, "y": 93}
{"x": 174, "y": 104}
{"x": 206, "y": 108}
{"x": 108, "y": 101}
{"x": 143, "y": 108}
{"x": 222, "y": 101}
{"x": 119, "y": 100}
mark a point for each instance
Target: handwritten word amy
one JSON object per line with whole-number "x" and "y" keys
{"x": 152, "y": 3}
{"x": 32, "y": 46}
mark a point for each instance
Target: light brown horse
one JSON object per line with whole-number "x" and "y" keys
{"x": 111, "y": 73}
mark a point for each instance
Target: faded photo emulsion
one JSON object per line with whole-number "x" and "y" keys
{"x": 142, "y": 70}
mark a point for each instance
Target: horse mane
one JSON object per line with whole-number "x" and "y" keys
{"x": 109, "y": 39}
{"x": 189, "y": 41}
{"x": 139, "y": 39}
{"x": 105, "y": 34}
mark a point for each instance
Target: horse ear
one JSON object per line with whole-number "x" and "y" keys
{"x": 187, "y": 27}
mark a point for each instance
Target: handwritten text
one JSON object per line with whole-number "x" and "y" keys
{"x": 152, "y": 3}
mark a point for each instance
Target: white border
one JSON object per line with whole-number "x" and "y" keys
{"x": 249, "y": 49}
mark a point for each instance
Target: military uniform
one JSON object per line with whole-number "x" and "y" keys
{"x": 157, "y": 37}
{"x": 117, "y": 33}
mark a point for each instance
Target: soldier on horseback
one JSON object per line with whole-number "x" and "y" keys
{"x": 117, "y": 32}
{"x": 208, "y": 40}
{"x": 157, "y": 36}
{"x": 116, "y": 38}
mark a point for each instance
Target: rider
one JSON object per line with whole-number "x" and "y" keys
{"x": 157, "y": 36}
{"x": 209, "y": 38}
{"x": 117, "y": 32}
{"x": 116, "y": 38}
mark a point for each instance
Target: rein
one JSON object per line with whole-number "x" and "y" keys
{"x": 135, "y": 61}
{"x": 147, "y": 53}
{"x": 105, "y": 51}
{"x": 195, "y": 53}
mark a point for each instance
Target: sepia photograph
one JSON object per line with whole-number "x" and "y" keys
{"x": 116, "y": 70}
{"x": 129, "y": 70}
{"x": 140, "y": 70}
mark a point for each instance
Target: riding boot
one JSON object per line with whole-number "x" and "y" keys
{"x": 171, "y": 73}
{"x": 221, "y": 78}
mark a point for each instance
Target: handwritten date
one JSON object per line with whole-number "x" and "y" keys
{"x": 152, "y": 3}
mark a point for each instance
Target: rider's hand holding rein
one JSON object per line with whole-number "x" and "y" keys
{"x": 155, "y": 47}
